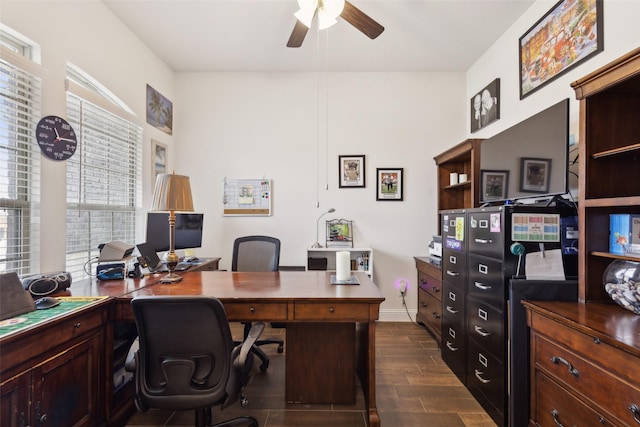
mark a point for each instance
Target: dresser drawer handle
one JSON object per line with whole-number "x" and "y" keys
{"x": 424, "y": 304}
{"x": 452, "y": 273}
{"x": 635, "y": 410}
{"x": 451, "y": 310}
{"x": 76, "y": 325}
{"x": 451, "y": 347}
{"x": 435, "y": 289}
{"x": 435, "y": 315}
{"x": 481, "y": 331}
{"x": 556, "y": 417}
{"x": 331, "y": 309}
{"x": 572, "y": 370}
{"x": 481, "y": 286}
{"x": 252, "y": 310}
{"x": 479, "y": 377}
{"x": 483, "y": 241}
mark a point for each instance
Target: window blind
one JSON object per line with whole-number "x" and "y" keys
{"x": 20, "y": 90}
{"x": 104, "y": 182}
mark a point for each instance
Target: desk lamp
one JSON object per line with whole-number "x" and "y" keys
{"x": 172, "y": 193}
{"x": 317, "y": 243}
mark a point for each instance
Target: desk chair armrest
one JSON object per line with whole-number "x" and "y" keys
{"x": 130, "y": 361}
{"x": 254, "y": 334}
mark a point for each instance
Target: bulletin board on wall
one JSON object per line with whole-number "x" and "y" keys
{"x": 247, "y": 197}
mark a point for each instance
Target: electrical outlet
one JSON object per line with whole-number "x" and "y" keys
{"x": 403, "y": 288}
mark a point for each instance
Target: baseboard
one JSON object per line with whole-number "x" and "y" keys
{"x": 397, "y": 315}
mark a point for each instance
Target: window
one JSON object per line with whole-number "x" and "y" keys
{"x": 104, "y": 177}
{"x": 20, "y": 90}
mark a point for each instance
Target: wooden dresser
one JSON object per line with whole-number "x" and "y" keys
{"x": 585, "y": 355}
{"x": 584, "y": 364}
{"x": 429, "y": 297}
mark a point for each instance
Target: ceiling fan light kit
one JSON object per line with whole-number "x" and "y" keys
{"x": 328, "y": 11}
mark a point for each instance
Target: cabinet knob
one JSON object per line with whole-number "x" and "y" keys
{"x": 331, "y": 309}
{"x": 76, "y": 325}
{"x": 424, "y": 304}
{"x": 252, "y": 309}
{"x": 635, "y": 410}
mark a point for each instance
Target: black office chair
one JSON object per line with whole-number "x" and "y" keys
{"x": 257, "y": 253}
{"x": 185, "y": 357}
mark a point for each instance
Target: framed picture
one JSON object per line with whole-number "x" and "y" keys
{"x": 351, "y": 170}
{"x": 339, "y": 233}
{"x": 534, "y": 175}
{"x": 158, "y": 159}
{"x": 494, "y": 185}
{"x": 485, "y": 106}
{"x": 389, "y": 184}
{"x": 567, "y": 35}
{"x": 159, "y": 111}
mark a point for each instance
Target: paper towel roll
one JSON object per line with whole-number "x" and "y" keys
{"x": 453, "y": 178}
{"x": 343, "y": 267}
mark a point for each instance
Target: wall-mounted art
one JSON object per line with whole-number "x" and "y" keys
{"x": 158, "y": 159}
{"x": 351, "y": 171}
{"x": 485, "y": 106}
{"x": 159, "y": 111}
{"x": 389, "y": 184}
{"x": 568, "y": 34}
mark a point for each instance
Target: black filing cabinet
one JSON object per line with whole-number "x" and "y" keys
{"x": 454, "y": 279}
{"x": 477, "y": 265}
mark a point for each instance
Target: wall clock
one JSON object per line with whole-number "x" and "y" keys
{"x": 56, "y": 138}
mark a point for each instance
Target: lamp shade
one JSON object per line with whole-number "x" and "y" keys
{"x": 172, "y": 193}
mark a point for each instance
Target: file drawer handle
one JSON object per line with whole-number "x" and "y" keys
{"x": 573, "y": 371}
{"x": 451, "y": 347}
{"x": 481, "y": 331}
{"x": 556, "y": 417}
{"x": 451, "y": 310}
{"x": 484, "y": 241}
{"x": 481, "y": 286}
{"x": 635, "y": 410}
{"x": 452, "y": 273}
{"x": 479, "y": 377}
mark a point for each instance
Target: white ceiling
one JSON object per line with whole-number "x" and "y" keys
{"x": 251, "y": 35}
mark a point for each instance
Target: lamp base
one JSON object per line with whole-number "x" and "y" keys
{"x": 171, "y": 278}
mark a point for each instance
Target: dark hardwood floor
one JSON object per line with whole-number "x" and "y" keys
{"x": 414, "y": 388}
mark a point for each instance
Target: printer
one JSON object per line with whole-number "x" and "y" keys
{"x": 435, "y": 251}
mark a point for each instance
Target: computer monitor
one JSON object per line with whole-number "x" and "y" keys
{"x": 188, "y": 230}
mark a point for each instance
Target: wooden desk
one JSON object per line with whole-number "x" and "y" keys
{"x": 300, "y": 297}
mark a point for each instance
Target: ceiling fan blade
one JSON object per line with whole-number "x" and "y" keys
{"x": 361, "y": 21}
{"x": 297, "y": 35}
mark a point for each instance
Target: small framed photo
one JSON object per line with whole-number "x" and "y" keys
{"x": 351, "y": 170}
{"x": 158, "y": 159}
{"x": 494, "y": 185}
{"x": 389, "y": 184}
{"x": 485, "y": 106}
{"x": 534, "y": 175}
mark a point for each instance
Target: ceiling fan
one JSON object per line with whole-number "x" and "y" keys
{"x": 327, "y": 12}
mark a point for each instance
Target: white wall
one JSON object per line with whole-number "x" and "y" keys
{"x": 255, "y": 125}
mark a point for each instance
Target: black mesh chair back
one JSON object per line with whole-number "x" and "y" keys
{"x": 186, "y": 356}
{"x": 256, "y": 253}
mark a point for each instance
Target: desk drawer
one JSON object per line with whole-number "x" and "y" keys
{"x": 255, "y": 311}
{"x": 346, "y": 312}
{"x": 593, "y": 382}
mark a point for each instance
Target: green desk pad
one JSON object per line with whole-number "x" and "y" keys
{"x": 25, "y": 320}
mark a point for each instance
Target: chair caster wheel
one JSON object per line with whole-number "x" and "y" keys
{"x": 243, "y": 401}
{"x": 264, "y": 366}
{"x": 280, "y": 348}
